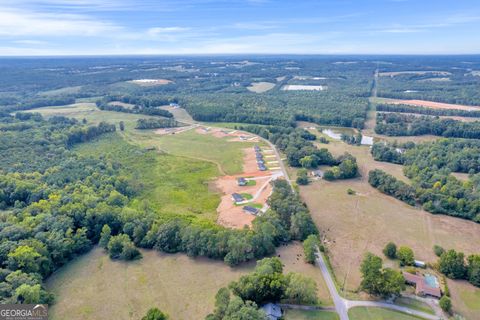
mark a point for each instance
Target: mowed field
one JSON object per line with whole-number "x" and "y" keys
{"x": 365, "y": 313}
{"x": 96, "y": 287}
{"x": 310, "y": 315}
{"x": 354, "y": 224}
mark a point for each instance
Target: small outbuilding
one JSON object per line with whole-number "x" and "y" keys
{"x": 251, "y": 210}
{"x": 242, "y": 182}
{"x": 419, "y": 264}
{"x": 272, "y": 311}
{"x": 237, "y": 197}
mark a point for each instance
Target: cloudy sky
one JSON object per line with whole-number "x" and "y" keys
{"x": 80, "y": 27}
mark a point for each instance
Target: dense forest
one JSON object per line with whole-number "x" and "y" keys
{"x": 397, "y": 124}
{"x": 429, "y": 167}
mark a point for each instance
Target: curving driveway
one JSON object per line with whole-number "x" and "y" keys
{"x": 342, "y": 305}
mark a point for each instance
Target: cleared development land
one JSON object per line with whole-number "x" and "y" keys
{"x": 150, "y": 82}
{"x": 260, "y": 87}
{"x": 88, "y": 288}
{"x": 427, "y": 104}
{"x": 298, "y": 87}
{"x": 354, "y": 224}
{"x": 420, "y": 73}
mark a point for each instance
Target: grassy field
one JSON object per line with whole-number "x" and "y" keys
{"x": 89, "y": 287}
{"x": 93, "y": 115}
{"x": 228, "y": 155}
{"x": 365, "y": 313}
{"x": 171, "y": 185}
{"x": 310, "y": 315}
{"x": 259, "y": 87}
{"x": 414, "y": 304}
{"x": 354, "y": 224}
{"x": 225, "y": 154}
{"x": 96, "y": 287}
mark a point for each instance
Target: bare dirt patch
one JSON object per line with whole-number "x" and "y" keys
{"x": 430, "y": 104}
{"x": 236, "y": 136}
{"x": 297, "y": 87}
{"x": 259, "y": 87}
{"x": 150, "y": 82}
{"x": 121, "y": 104}
{"x": 397, "y": 73}
{"x": 232, "y": 215}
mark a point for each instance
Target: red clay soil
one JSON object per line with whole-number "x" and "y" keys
{"x": 230, "y": 215}
{"x": 433, "y": 105}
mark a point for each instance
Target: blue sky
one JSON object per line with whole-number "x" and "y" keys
{"x": 78, "y": 27}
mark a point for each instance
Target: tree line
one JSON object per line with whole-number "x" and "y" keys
{"x": 267, "y": 283}
{"x": 155, "y": 123}
{"x": 396, "y": 124}
{"x": 429, "y": 166}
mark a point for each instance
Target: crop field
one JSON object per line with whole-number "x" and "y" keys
{"x": 259, "y": 87}
{"x": 354, "y": 224}
{"x": 89, "y": 286}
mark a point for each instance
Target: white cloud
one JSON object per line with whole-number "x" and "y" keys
{"x": 165, "y": 30}
{"x": 30, "y": 42}
{"x": 27, "y": 23}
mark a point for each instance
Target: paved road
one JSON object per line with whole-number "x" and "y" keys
{"x": 339, "y": 302}
{"x": 342, "y": 305}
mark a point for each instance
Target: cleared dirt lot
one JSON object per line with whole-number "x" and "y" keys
{"x": 232, "y": 215}
{"x": 428, "y": 104}
{"x": 294, "y": 87}
{"x": 259, "y": 87}
{"x": 151, "y": 82}
{"x": 397, "y": 73}
{"x": 236, "y": 136}
{"x": 364, "y": 222}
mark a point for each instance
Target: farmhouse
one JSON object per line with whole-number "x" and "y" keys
{"x": 251, "y": 210}
{"x": 242, "y": 182}
{"x": 272, "y": 311}
{"x": 424, "y": 285}
{"x": 236, "y": 197}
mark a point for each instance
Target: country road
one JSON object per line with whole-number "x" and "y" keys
{"x": 342, "y": 305}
